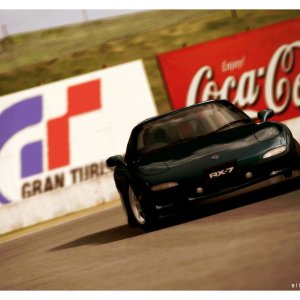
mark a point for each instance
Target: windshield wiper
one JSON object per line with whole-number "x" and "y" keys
{"x": 232, "y": 123}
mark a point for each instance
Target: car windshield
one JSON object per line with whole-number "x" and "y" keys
{"x": 188, "y": 124}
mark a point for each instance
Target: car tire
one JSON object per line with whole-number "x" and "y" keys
{"x": 144, "y": 216}
{"x": 130, "y": 217}
{"x": 297, "y": 151}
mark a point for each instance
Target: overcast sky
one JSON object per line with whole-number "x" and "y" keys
{"x": 24, "y": 20}
{"x": 18, "y": 21}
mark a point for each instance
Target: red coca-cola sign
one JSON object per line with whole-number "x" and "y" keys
{"x": 255, "y": 70}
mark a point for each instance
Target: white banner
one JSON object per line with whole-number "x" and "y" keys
{"x": 59, "y": 135}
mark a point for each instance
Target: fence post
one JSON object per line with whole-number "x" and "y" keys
{"x": 7, "y": 45}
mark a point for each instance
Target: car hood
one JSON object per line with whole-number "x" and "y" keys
{"x": 203, "y": 152}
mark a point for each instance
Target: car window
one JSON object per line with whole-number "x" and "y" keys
{"x": 197, "y": 121}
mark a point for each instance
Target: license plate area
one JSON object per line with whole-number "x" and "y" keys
{"x": 221, "y": 174}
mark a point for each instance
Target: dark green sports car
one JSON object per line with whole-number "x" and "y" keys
{"x": 195, "y": 153}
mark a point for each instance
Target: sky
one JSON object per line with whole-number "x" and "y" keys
{"x": 20, "y": 21}
{"x": 37, "y": 14}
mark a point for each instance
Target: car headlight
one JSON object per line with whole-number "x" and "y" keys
{"x": 266, "y": 133}
{"x": 163, "y": 186}
{"x": 275, "y": 151}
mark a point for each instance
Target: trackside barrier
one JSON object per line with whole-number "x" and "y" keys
{"x": 57, "y": 203}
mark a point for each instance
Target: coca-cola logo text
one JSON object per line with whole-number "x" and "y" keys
{"x": 279, "y": 90}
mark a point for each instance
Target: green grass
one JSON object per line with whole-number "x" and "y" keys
{"x": 26, "y": 49}
{"x": 42, "y": 57}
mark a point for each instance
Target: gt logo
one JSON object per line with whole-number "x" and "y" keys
{"x": 221, "y": 172}
{"x": 51, "y": 148}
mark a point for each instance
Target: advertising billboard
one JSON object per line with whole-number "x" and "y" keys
{"x": 59, "y": 135}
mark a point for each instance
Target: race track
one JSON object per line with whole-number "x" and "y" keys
{"x": 244, "y": 243}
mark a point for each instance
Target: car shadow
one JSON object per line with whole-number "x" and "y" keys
{"x": 103, "y": 237}
{"x": 125, "y": 232}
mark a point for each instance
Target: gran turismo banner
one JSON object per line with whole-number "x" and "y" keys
{"x": 256, "y": 69}
{"x": 57, "y": 135}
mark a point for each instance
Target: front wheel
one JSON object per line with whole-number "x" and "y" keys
{"x": 144, "y": 216}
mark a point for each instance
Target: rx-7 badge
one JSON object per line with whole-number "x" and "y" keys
{"x": 221, "y": 172}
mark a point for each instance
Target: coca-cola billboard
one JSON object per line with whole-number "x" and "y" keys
{"x": 256, "y": 69}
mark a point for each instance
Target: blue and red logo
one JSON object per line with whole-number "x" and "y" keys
{"x": 81, "y": 98}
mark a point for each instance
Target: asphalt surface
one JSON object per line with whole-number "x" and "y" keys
{"x": 249, "y": 242}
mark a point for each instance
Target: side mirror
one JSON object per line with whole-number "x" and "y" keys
{"x": 265, "y": 114}
{"x": 115, "y": 161}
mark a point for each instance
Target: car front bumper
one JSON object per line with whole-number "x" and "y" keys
{"x": 175, "y": 200}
